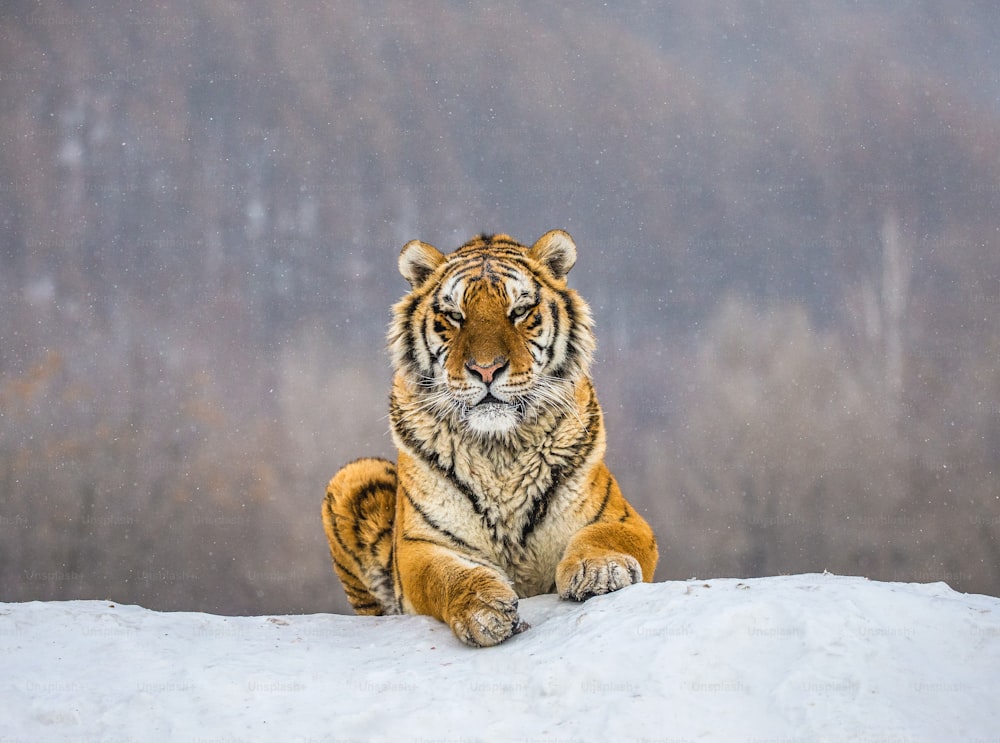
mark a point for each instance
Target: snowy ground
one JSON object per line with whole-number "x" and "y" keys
{"x": 808, "y": 657}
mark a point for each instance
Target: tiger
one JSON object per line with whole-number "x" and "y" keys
{"x": 500, "y": 490}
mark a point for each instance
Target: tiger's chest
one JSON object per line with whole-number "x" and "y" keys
{"x": 521, "y": 513}
{"x": 514, "y": 504}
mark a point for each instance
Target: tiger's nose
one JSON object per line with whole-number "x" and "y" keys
{"x": 486, "y": 372}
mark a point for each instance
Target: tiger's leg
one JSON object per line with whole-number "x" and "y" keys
{"x": 616, "y": 549}
{"x": 442, "y": 576}
{"x": 472, "y": 597}
{"x": 358, "y": 514}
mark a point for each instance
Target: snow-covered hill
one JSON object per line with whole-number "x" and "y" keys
{"x": 808, "y": 657}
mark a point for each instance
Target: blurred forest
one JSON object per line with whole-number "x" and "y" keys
{"x": 787, "y": 218}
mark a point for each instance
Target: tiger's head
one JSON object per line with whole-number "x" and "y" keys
{"x": 490, "y": 336}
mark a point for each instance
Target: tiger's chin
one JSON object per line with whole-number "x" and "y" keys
{"x": 493, "y": 418}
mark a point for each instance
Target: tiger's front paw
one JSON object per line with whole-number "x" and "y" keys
{"x": 486, "y": 616}
{"x": 579, "y": 579}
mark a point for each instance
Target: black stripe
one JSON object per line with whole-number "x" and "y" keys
{"x": 424, "y": 339}
{"x": 383, "y": 533}
{"x": 507, "y": 271}
{"x": 357, "y": 595}
{"x": 434, "y": 525}
{"x": 604, "y": 503}
{"x": 372, "y": 487}
{"x": 627, "y": 515}
{"x": 494, "y": 255}
{"x": 429, "y": 457}
{"x": 350, "y": 573}
{"x": 556, "y": 332}
{"x": 367, "y": 605}
{"x": 375, "y": 487}
{"x": 462, "y": 269}
{"x": 335, "y": 525}
{"x": 519, "y": 264}
{"x": 543, "y": 354}
{"x": 535, "y": 321}
{"x": 540, "y": 505}
{"x": 404, "y": 321}
{"x": 485, "y": 562}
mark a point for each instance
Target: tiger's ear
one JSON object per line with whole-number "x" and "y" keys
{"x": 417, "y": 261}
{"x": 556, "y": 251}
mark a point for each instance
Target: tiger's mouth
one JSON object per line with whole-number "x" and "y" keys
{"x": 489, "y": 399}
{"x": 491, "y": 415}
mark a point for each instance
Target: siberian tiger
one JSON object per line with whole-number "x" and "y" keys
{"x": 500, "y": 490}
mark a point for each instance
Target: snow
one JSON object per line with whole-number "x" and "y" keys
{"x": 806, "y": 657}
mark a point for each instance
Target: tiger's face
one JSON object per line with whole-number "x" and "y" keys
{"x": 490, "y": 335}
